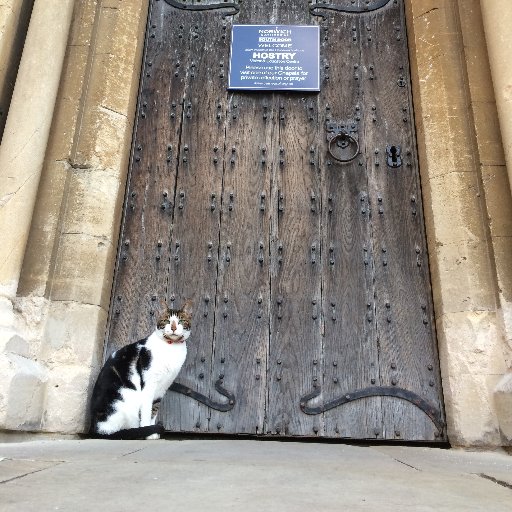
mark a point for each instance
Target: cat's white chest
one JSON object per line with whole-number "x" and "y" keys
{"x": 166, "y": 362}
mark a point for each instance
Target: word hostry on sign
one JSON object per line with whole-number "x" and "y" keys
{"x": 273, "y": 55}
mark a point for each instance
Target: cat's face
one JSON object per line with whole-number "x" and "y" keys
{"x": 175, "y": 324}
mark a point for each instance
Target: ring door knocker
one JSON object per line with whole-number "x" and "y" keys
{"x": 341, "y": 136}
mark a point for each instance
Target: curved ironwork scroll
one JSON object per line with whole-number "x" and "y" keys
{"x": 222, "y": 407}
{"x": 205, "y": 7}
{"x": 395, "y": 392}
{"x": 348, "y": 9}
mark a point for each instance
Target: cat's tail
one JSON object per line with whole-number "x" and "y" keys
{"x": 129, "y": 434}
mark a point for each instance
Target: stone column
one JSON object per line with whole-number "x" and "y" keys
{"x": 9, "y": 16}
{"x": 14, "y": 16}
{"x": 22, "y": 153}
{"x": 26, "y": 132}
{"x": 497, "y": 18}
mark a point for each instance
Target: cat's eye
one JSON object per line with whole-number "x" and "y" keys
{"x": 162, "y": 323}
{"x": 185, "y": 323}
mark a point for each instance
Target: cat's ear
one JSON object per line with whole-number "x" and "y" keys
{"x": 163, "y": 307}
{"x": 187, "y": 307}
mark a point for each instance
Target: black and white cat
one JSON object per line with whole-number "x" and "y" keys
{"x": 126, "y": 396}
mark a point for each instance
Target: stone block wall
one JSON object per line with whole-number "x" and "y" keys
{"x": 468, "y": 211}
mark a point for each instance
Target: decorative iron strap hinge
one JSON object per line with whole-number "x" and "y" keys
{"x": 348, "y": 9}
{"x": 222, "y": 407}
{"x": 401, "y": 393}
{"x": 205, "y": 7}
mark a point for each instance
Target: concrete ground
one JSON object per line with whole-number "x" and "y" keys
{"x": 248, "y": 475}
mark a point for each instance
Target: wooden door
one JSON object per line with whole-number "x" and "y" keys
{"x": 293, "y": 220}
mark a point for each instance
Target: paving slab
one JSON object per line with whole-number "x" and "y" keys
{"x": 441, "y": 461}
{"x": 248, "y": 475}
{"x": 11, "y": 470}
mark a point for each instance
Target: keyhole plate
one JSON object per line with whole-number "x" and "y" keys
{"x": 394, "y": 159}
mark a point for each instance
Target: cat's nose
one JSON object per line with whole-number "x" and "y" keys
{"x": 173, "y": 326}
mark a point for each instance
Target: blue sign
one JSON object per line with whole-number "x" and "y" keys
{"x": 275, "y": 57}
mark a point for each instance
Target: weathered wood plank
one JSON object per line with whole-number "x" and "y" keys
{"x": 403, "y": 300}
{"x": 350, "y": 354}
{"x": 296, "y": 321}
{"x": 242, "y": 312}
{"x": 195, "y": 240}
{"x": 296, "y": 341}
{"x": 140, "y": 276}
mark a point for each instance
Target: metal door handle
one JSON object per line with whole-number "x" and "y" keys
{"x": 344, "y": 136}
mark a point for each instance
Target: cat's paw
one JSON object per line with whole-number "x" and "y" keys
{"x": 153, "y": 436}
